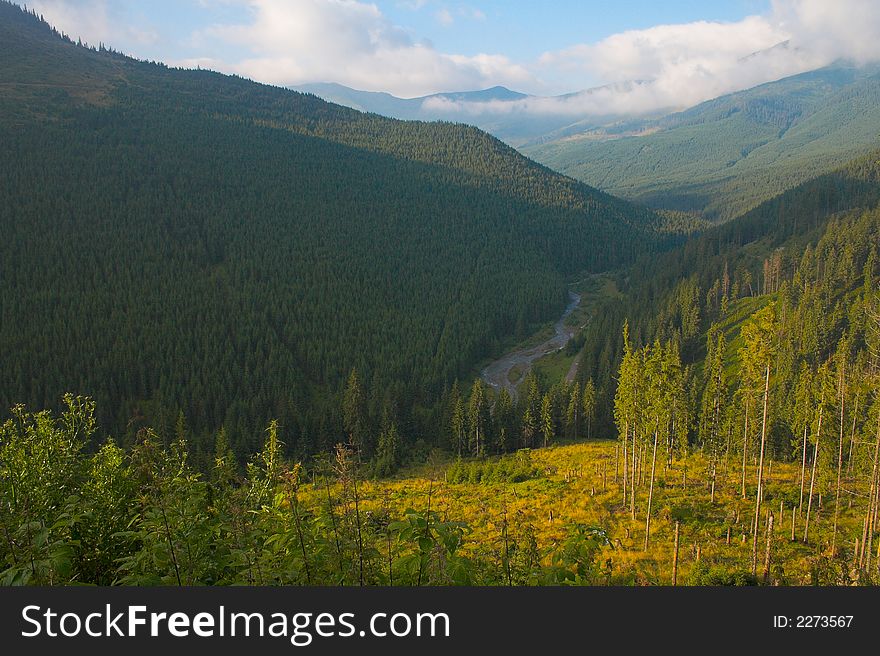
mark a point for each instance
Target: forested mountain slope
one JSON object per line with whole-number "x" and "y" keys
{"x": 230, "y": 269}
{"x": 814, "y": 247}
{"x": 197, "y": 250}
{"x": 727, "y": 155}
{"x": 752, "y": 461}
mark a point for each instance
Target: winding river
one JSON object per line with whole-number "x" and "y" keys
{"x": 497, "y": 374}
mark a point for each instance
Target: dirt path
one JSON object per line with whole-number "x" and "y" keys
{"x": 573, "y": 370}
{"x": 498, "y": 373}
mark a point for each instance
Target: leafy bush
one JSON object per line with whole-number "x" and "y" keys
{"x": 703, "y": 574}
{"x": 513, "y": 468}
{"x": 575, "y": 562}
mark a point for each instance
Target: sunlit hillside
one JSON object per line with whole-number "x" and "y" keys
{"x": 580, "y": 486}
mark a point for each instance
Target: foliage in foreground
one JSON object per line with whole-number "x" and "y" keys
{"x": 144, "y": 517}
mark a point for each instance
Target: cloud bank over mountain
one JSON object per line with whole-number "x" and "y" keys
{"x": 633, "y": 72}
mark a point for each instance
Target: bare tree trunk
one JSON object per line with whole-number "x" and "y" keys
{"x": 745, "y": 450}
{"x": 641, "y": 463}
{"x": 852, "y": 437}
{"x": 632, "y": 489}
{"x": 651, "y": 493}
{"x": 803, "y": 470}
{"x": 712, "y": 496}
{"x": 813, "y": 474}
{"x": 616, "y": 463}
{"x": 667, "y": 460}
{"x": 839, "y": 460}
{"x": 427, "y": 530}
{"x": 360, "y": 539}
{"x": 766, "y": 576}
{"x": 860, "y": 555}
{"x": 675, "y": 556}
{"x": 878, "y": 558}
{"x": 727, "y": 451}
{"x": 760, "y": 493}
{"x": 871, "y": 514}
{"x": 873, "y": 525}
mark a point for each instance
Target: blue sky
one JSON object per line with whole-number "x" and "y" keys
{"x": 521, "y": 29}
{"x": 527, "y": 29}
{"x": 688, "y": 50}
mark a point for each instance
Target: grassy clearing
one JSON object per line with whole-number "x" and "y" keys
{"x": 594, "y": 289}
{"x": 553, "y": 367}
{"x": 516, "y": 372}
{"x": 576, "y": 484}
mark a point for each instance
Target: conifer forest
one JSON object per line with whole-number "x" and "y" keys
{"x": 245, "y": 337}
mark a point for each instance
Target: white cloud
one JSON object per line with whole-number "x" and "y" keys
{"x": 352, "y": 43}
{"x": 637, "y": 71}
{"x": 848, "y": 29}
{"x": 444, "y": 17}
{"x": 676, "y": 66}
{"x": 681, "y": 65}
{"x": 693, "y": 48}
{"x": 94, "y": 21}
{"x": 609, "y": 100}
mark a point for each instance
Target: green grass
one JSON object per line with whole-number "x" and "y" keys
{"x": 552, "y": 368}
{"x": 568, "y": 488}
{"x": 516, "y": 371}
{"x": 738, "y": 314}
{"x": 594, "y": 290}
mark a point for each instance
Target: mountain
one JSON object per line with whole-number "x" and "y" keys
{"x": 824, "y": 228}
{"x": 785, "y": 300}
{"x": 240, "y": 273}
{"x": 508, "y": 115}
{"x": 726, "y": 155}
{"x": 197, "y": 250}
{"x": 410, "y": 109}
{"x": 402, "y": 108}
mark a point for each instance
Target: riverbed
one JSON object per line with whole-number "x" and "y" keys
{"x": 498, "y": 373}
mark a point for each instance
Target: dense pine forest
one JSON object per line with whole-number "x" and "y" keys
{"x": 242, "y": 331}
{"x": 191, "y": 249}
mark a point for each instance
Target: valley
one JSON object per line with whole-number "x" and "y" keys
{"x": 509, "y": 371}
{"x": 253, "y": 337}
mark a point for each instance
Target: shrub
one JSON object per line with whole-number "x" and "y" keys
{"x": 513, "y": 468}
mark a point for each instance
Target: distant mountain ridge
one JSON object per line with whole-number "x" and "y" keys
{"x": 514, "y": 123}
{"x": 386, "y": 104}
{"x": 717, "y": 159}
{"x": 726, "y": 155}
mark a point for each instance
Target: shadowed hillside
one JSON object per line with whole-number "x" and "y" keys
{"x": 198, "y": 250}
